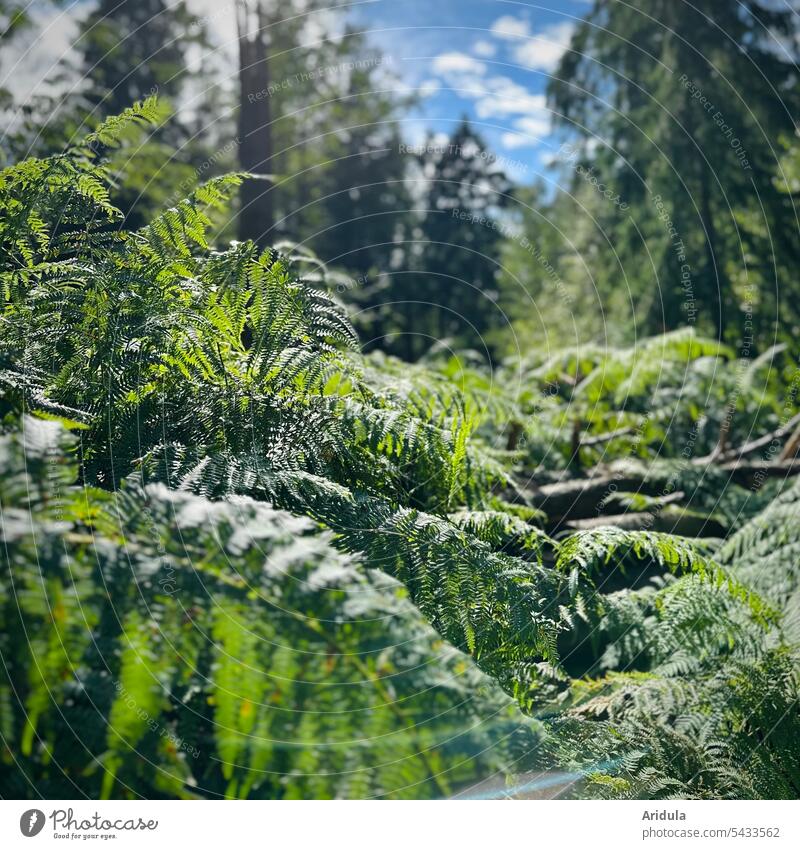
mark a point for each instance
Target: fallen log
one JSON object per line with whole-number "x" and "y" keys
{"x": 587, "y": 498}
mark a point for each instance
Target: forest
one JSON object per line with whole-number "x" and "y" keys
{"x": 354, "y": 450}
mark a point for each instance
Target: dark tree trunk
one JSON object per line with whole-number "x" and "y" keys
{"x": 256, "y": 216}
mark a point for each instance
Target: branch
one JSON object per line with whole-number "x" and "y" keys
{"x": 672, "y": 520}
{"x": 753, "y": 473}
{"x": 755, "y": 444}
{"x": 792, "y": 446}
{"x": 515, "y": 430}
{"x": 584, "y": 498}
{"x": 600, "y": 438}
{"x": 580, "y": 498}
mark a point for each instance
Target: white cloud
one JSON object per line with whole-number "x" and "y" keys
{"x": 484, "y": 48}
{"x": 542, "y": 51}
{"x": 494, "y": 96}
{"x": 458, "y": 62}
{"x": 429, "y": 87}
{"x": 548, "y": 159}
{"x": 530, "y": 130}
{"x": 534, "y": 125}
{"x": 509, "y": 27}
{"x": 501, "y": 97}
{"x": 539, "y": 51}
{"x": 512, "y": 141}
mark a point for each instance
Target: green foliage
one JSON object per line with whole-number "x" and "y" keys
{"x": 265, "y": 565}
{"x": 647, "y": 93}
{"x": 677, "y": 398}
{"x": 176, "y": 646}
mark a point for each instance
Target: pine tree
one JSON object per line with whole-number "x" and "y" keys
{"x": 452, "y": 291}
{"x": 682, "y": 103}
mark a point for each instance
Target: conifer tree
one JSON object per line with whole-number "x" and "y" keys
{"x": 679, "y": 105}
{"x": 452, "y": 292}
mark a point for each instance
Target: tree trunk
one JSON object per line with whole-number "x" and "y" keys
{"x": 256, "y": 216}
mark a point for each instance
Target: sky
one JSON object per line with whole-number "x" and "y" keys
{"x": 488, "y": 60}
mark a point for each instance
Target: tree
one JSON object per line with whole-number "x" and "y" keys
{"x": 14, "y": 19}
{"x": 316, "y": 125}
{"x": 257, "y": 37}
{"x": 451, "y": 291}
{"x": 132, "y": 49}
{"x": 345, "y": 192}
{"x": 545, "y": 286}
{"x": 678, "y": 105}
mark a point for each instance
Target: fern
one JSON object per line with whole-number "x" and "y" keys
{"x": 265, "y": 565}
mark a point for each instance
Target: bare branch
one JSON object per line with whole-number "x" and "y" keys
{"x": 599, "y": 439}
{"x": 761, "y": 442}
{"x": 671, "y": 520}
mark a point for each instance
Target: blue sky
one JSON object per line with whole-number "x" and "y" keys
{"x": 488, "y": 59}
